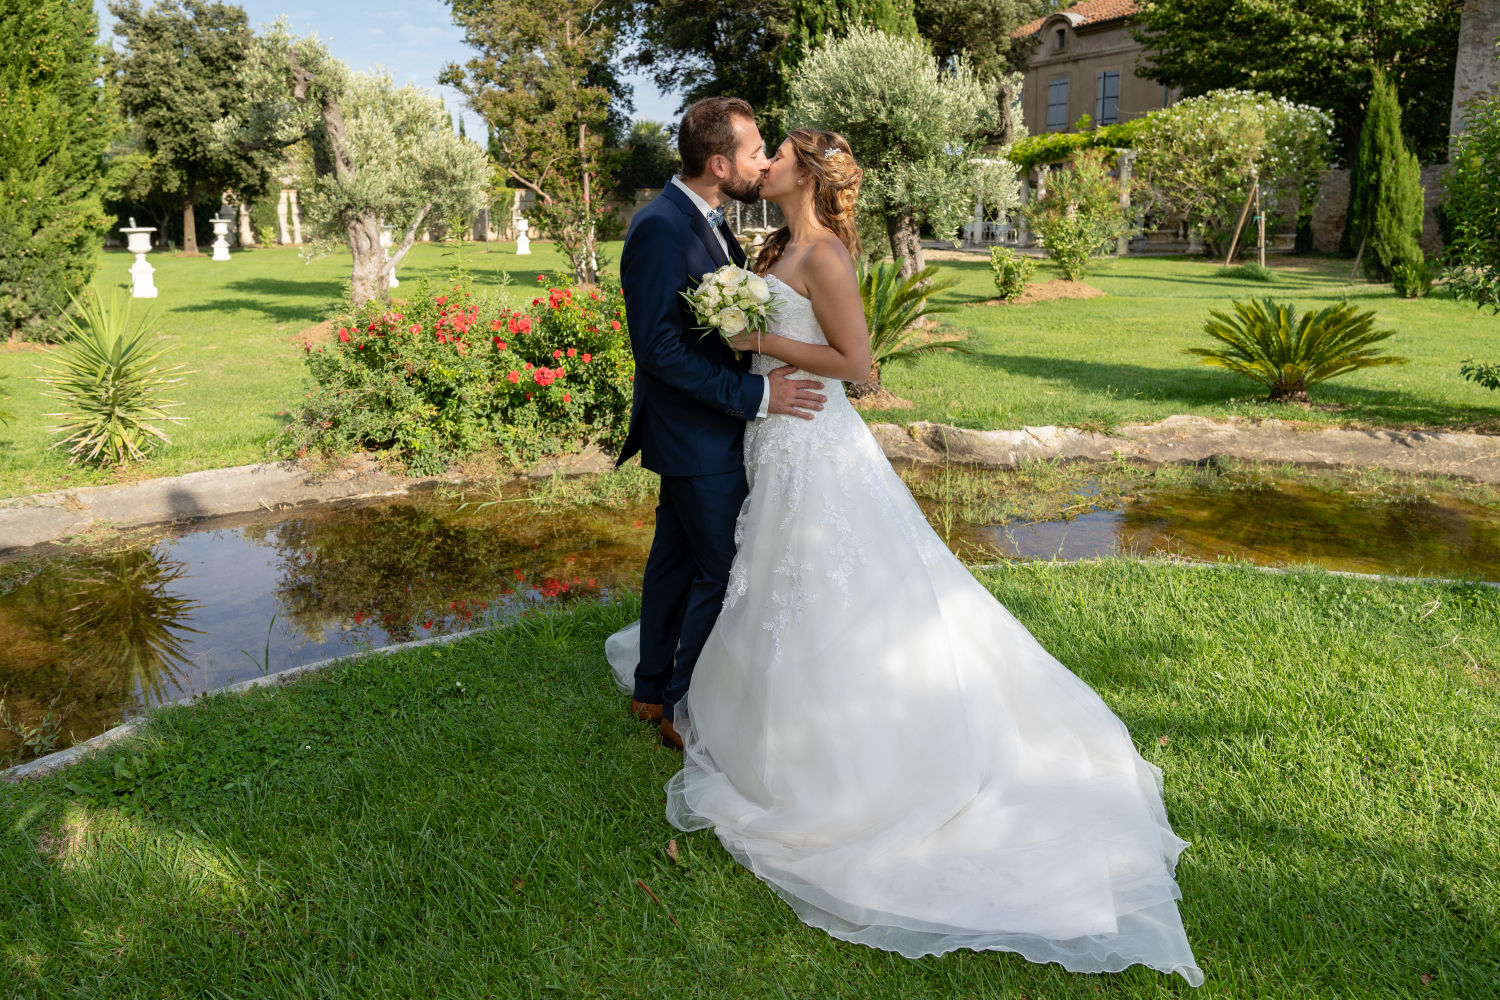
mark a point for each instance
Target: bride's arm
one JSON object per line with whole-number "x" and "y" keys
{"x": 833, "y": 288}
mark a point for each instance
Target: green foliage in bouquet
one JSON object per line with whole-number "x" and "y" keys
{"x": 1269, "y": 342}
{"x": 1012, "y": 271}
{"x": 444, "y": 374}
{"x": 109, "y": 376}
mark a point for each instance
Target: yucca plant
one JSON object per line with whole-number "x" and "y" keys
{"x": 893, "y": 307}
{"x": 110, "y": 379}
{"x": 1268, "y": 341}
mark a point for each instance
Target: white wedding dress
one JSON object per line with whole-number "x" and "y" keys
{"x": 879, "y": 740}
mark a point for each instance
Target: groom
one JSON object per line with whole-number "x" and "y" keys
{"x": 692, "y": 397}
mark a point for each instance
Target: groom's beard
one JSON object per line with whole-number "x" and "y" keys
{"x": 743, "y": 189}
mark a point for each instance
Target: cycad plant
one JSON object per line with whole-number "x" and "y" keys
{"x": 1268, "y": 341}
{"x": 109, "y": 376}
{"x": 893, "y": 307}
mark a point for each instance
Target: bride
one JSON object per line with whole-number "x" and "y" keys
{"x": 868, "y": 729}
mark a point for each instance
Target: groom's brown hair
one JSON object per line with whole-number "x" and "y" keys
{"x": 707, "y": 129}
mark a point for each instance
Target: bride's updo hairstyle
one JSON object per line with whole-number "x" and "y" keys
{"x": 835, "y": 187}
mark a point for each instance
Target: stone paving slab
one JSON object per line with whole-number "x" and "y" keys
{"x": 1196, "y": 439}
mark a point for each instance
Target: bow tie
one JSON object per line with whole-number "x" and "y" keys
{"x": 715, "y": 216}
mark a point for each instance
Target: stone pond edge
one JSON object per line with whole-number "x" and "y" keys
{"x": 28, "y": 522}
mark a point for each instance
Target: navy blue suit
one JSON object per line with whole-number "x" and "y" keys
{"x": 687, "y": 420}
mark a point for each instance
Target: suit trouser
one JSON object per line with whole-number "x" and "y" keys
{"x": 686, "y": 576}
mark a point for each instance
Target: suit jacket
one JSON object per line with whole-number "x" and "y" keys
{"x": 692, "y": 397}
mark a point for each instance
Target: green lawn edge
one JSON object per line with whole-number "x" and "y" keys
{"x": 477, "y": 820}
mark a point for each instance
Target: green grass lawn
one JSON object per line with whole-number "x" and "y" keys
{"x": 236, "y": 325}
{"x": 1104, "y": 362}
{"x": 1094, "y": 363}
{"x": 479, "y": 820}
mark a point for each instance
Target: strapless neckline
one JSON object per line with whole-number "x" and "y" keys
{"x": 788, "y": 287}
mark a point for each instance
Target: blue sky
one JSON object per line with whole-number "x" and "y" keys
{"x": 413, "y": 39}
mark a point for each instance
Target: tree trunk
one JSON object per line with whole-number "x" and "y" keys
{"x": 869, "y": 387}
{"x": 189, "y": 227}
{"x": 371, "y": 278}
{"x": 906, "y": 241}
{"x": 1007, "y": 132}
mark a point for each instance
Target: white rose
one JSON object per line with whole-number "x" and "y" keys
{"x": 732, "y": 320}
{"x": 758, "y": 289}
{"x": 709, "y": 298}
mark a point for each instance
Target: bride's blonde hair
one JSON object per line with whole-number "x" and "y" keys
{"x": 835, "y": 179}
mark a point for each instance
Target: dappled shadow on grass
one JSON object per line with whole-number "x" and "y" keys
{"x": 277, "y": 298}
{"x": 1203, "y": 386}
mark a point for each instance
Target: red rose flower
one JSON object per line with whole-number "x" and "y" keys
{"x": 541, "y": 277}
{"x": 498, "y": 324}
{"x": 343, "y": 336}
{"x": 525, "y": 324}
{"x": 556, "y": 354}
{"x": 442, "y": 300}
{"x": 567, "y": 398}
{"x": 513, "y": 377}
{"x": 527, "y": 366}
{"x": 572, "y": 352}
{"x": 415, "y": 328}
{"x": 587, "y": 358}
{"x": 614, "y": 324}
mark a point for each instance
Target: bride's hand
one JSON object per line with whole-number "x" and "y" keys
{"x": 745, "y": 341}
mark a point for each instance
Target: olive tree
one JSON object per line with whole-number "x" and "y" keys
{"x": 381, "y": 154}
{"x": 912, "y": 125}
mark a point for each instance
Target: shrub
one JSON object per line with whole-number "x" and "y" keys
{"x": 1412, "y": 279}
{"x": 56, "y": 117}
{"x": 1267, "y": 341}
{"x": 109, "y": 378}
{"x": 1471, "y": 204}
{"x": 1248, "y": 272}
{"x": 1385, "y": 191}
{"x": 1197, "y": 157}
{"x": 443, "y": 374}
{"x": 1033, "y": 151}
{"x": 1081, "y": 217}
{"x": 1012, "y": 271}
{"x": 893, "y": 307}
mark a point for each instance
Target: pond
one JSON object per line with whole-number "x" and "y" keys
{"x": 91, "y": 639}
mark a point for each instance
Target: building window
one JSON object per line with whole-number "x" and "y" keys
{"x": 1057, "y": 105}
{"x": 1060, "y": 40}
{"x": 1107, "y": 98}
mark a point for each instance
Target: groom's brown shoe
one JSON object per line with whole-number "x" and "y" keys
{"x": 646, "y": 712}
{"x": 669, "y": 737}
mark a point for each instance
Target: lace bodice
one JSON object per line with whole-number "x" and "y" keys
{"x": 793, "y": 319}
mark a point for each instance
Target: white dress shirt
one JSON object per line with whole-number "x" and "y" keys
{"x": 704, "y": 207}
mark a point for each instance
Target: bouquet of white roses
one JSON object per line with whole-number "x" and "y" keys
{"x": 730, "y": 301}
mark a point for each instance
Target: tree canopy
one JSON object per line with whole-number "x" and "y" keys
{"x": 1318, "y": 52}
{"x": 55, "y": 122}
{"x": 911, "y": 125}
{"x": 177, "y": 72}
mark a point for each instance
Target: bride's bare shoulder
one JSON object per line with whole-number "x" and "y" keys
{"x": 828, "y": 262}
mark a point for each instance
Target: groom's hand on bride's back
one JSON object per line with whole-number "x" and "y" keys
{"x": 794, "y": 397}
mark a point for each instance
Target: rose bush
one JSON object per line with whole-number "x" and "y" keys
{"x": 445, "y": 373}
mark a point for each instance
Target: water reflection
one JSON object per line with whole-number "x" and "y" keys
{"x": 89, "y": 640}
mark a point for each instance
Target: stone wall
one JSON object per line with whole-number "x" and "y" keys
{"x": 1333, "y": 202}
{"x": 1477, "y": 72}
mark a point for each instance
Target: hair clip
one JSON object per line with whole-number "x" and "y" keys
{"x": 830, "y": 152}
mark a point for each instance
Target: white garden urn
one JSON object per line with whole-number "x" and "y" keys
{"x": 523, "y": 241}
{"x": 386, "y": 242}
{"x": 138, "y": 242}
{"x": 221, "y": 238}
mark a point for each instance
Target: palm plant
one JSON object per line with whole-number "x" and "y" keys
{"x": 109, "y": 378}
{"x": 893, "y": 307}
{"x": 5, "y": 415}
{"x": 1267, "y": 341}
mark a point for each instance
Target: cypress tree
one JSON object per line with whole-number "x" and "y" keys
{"x": 56, "y": 119}
{"x": 1385, "y": 191}
{"x": 811, "y": 20}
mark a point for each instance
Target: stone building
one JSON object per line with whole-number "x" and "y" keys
{"x": 1084, "y": 64}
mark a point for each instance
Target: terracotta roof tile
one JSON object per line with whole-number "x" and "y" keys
{"x": 1091, "y": 11}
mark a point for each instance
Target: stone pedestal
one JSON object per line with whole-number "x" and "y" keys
{"x": 138, "y": 242}
{"x": 523, "y": 240}
{"x": 386, "y": 242}
{"x": 221, "y": 238}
